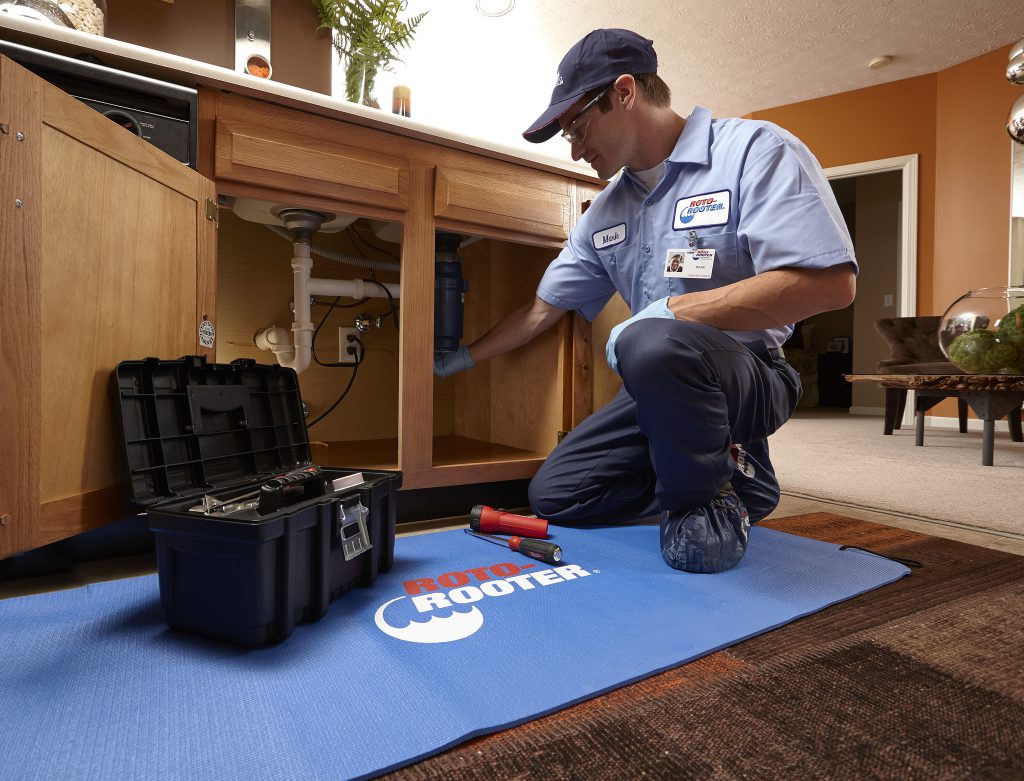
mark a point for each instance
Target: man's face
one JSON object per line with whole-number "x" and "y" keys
{"x": 593, "y": 136}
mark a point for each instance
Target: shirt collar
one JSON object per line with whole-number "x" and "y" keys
{"x": 694, "y": 144}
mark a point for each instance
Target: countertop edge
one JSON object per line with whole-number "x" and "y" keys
{"x": 193, "y": 73}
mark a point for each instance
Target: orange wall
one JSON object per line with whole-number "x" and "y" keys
{"x": 973, "y": 181}
{"x": 954, "y": 120}
{"x": 890, "y": 120}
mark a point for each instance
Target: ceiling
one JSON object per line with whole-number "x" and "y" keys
{"x": 737, "y": 56}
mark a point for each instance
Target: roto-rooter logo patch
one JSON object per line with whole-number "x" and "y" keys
{"x": 702, "y": 211}
{"x": 451, "y": 589}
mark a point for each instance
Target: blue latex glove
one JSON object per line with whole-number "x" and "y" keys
{"x": 447, "y": 364}
{"x": 658, "y": 309}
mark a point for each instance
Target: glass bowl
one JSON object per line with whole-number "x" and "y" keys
{"x": 982, "y": 332}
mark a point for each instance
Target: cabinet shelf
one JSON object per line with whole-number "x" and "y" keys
{"x": 453, "y": 450}
{"x": 357, "y": 454}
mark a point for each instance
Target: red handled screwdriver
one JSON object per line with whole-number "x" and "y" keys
{"x": 535, "y": 549}
{"x": 486, "y": 519}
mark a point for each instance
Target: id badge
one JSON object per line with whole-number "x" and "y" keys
{"x": 690, "y": 263}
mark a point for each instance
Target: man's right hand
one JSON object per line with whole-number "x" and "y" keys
{"x": 447, "y": 364}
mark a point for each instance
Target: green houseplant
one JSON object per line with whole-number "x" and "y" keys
{"x": 367, "y": 35}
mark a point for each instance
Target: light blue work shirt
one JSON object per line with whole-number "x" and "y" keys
{"x": 747, "y": 189}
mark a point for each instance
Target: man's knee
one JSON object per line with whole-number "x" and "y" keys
{"x": 546, "y": 500}
{"x": 656, "y": 345}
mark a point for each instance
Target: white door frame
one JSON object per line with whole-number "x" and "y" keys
{"x": 907, "y": 275}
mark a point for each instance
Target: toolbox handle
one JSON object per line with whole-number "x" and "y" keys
{"x": 272, "y": 492}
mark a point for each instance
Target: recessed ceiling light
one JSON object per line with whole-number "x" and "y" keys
{"x": 880, "y": 62}
{"x": 495, "y": 7}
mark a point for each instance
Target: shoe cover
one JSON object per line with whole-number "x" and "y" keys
{"x": 706, "y": 539}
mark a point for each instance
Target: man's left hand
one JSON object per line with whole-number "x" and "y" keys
{"x": 658, "y": 309}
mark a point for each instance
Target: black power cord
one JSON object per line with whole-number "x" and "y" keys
{"x": 391, "y": 299}
{"x": 355, "y": 349}
{"x": 344, "y": 393}
{"x": 334, "y": 305}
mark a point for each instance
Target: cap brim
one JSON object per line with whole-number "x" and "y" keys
{"x": 546, "y": 125}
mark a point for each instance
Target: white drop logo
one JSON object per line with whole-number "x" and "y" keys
{"x": 457, "y": 626}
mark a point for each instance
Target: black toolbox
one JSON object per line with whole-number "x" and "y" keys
{"x": 197, "y": 437}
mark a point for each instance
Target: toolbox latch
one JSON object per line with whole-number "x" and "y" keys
{"x": 355, "y": 539}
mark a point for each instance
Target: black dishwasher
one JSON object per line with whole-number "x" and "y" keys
{"x": 164, "y": 114}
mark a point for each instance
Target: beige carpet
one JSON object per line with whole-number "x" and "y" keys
{"x": 834, "y": 457}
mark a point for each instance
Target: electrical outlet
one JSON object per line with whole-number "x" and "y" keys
{"x": 344, "y": 344}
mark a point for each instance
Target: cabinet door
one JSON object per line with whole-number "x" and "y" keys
{"x": 107, "y": 253}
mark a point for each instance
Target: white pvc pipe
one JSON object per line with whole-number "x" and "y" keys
{"x": 277, "y": 339}
{"x": 352, "y": 288}
{"x": 299, "y": 353}
{"x": 302, "y": 327}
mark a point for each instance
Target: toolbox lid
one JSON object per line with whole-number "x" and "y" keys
{"x": 192, "y": 428}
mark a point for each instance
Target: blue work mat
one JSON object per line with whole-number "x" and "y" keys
{"x": 93, "y": 684}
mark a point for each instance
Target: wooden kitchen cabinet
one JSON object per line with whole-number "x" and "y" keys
{"x": 107, "y": 253}
{"x": 115, "y": 254}
{"x": 496, "y": 422}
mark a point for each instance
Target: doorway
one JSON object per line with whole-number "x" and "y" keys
{"x": 878, "y": 200}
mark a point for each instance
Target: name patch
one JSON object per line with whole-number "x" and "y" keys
{"x": 702, "y": 211}
{"x": 609, "y": 237}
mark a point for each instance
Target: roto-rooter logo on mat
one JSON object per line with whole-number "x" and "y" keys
{"x": 465, "y": 588}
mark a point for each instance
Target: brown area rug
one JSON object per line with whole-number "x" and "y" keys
{"x": 921, "y": 679}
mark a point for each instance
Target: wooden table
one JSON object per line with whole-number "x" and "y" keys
{"x": 991, "y": 396}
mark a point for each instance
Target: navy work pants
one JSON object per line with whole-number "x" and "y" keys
{"x": 664, "y": 442}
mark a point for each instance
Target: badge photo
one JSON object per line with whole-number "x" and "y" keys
{"x": 674, "y": 262}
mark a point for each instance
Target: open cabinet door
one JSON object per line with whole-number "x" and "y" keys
{"x": 107, "y": 253}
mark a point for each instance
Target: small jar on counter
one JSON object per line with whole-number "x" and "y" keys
{"x": 401, "y": 100}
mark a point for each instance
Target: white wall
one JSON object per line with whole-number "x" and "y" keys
{"x": 484, "y": 77}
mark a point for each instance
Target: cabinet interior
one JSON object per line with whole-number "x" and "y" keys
{"x": 507, "y": 409}
{"x": 254, "y": 281}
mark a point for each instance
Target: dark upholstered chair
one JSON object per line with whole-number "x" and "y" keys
{"x": 914, "y": 344}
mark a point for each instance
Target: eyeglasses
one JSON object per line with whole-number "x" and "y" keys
{"x": 575, "y": 135}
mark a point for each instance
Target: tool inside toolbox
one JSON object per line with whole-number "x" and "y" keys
{"x": 275, "y": 494}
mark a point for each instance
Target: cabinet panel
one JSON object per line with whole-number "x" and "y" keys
{"x": 108, "y": 258}
{"x": 293, "y": 152}
{"x": 487, "y": 200}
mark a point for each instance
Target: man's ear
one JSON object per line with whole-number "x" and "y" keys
{"x": 625, "y": 90}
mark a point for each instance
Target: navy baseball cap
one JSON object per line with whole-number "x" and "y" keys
{"x": 598, "y": 59}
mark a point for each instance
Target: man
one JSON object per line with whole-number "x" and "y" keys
{"x": 763, "y": 244}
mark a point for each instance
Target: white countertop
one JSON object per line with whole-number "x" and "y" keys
{"x": 191, "y": 73}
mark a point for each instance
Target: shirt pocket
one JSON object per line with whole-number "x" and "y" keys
{"x": 618, "y": 261}
{"x": 726, "y": 267}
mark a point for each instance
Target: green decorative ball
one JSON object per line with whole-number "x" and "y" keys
{"x": 981, "y": 352}
{"x": 1011, "y": 326}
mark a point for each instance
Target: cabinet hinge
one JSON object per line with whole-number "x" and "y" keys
{"x": 212, "y": 211}
{"x": 562, "y": 435}
{"x": 5, "y": 128}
